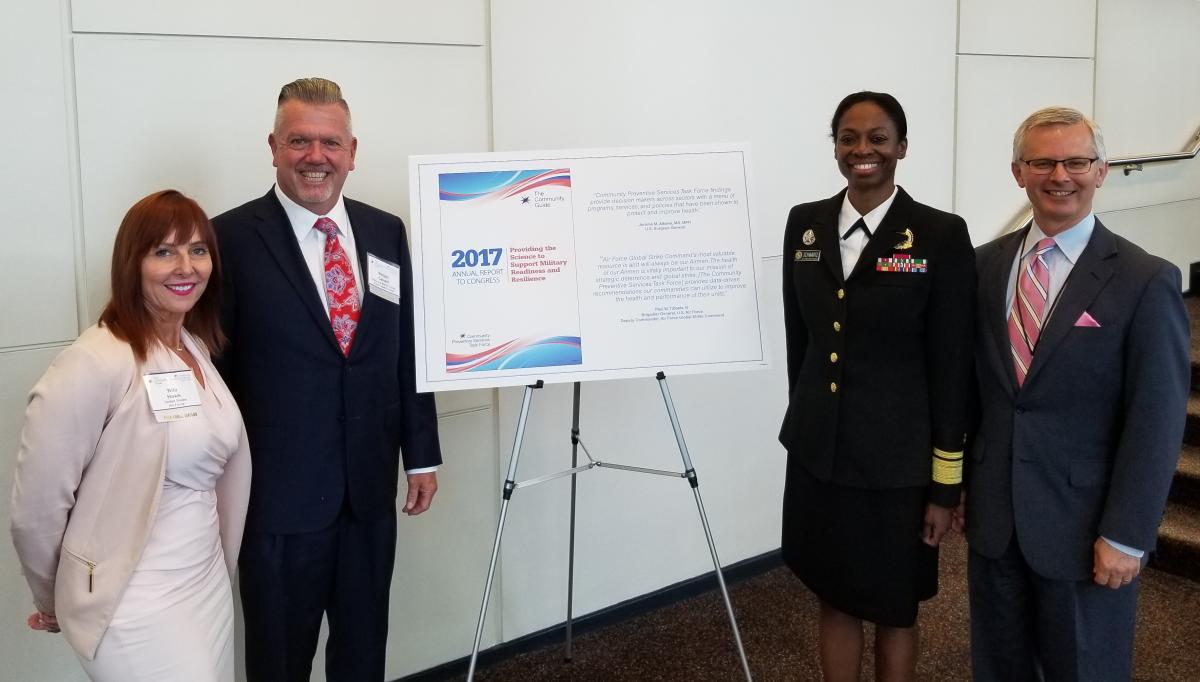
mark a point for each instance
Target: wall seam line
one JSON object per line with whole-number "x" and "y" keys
{"x": 75, "y": 169}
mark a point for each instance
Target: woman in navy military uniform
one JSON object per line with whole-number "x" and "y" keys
{"x": 878, "y": 295}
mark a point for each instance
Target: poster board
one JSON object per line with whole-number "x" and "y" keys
{"x": 579, "y": 265}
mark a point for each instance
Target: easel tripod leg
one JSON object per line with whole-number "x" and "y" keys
{"x": 571, "y": 544}
{"x": 712, "y": 548}
{"x": 690, "y": 472}
{"x": 509, "y": 487}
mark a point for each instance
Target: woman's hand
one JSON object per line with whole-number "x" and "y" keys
{"x": 42, "y": 621}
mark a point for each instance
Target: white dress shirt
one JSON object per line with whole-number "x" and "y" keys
{"x": 312, "y": 247}
{"x": 312, "y": 241}
{"x": 1069, "y": 244}
{"x": 852, "y": 246}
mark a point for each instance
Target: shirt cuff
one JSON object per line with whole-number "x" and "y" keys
{"x": 1126, "y": 549}
{"x": 420, "y": 470}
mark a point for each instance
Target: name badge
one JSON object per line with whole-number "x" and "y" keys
{"x": 173, "y": 395}
{"x": 807, "y": 255}
{"x": 383, "y": 278}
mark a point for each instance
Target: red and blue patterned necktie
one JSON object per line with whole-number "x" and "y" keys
{"x": 341, "y": 293}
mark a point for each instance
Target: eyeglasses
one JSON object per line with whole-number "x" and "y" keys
{"x": 1076, "y": 166}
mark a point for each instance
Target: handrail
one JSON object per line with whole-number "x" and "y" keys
{"x": 1128, "y": 164}
{"x": 1134, "y": 163}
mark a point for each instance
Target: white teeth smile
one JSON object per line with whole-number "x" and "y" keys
{"x": 181, "y": 288}
{"x": 864, "y": 166}
{"x": 314, "y": 175}
{"x": 1060, "y": 193}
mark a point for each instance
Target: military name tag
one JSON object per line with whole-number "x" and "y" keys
{"x": 807, "y": 255}
{"x": 902, "y": 262}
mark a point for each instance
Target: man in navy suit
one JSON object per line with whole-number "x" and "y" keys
{"x": 318, "y": 311}
{"x": 1082, "y": 362}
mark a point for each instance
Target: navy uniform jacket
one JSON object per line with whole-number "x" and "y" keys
{"x": 322, "y": 427}
{"x": 879, "y": 364}
{"x": 1087, "y": 446}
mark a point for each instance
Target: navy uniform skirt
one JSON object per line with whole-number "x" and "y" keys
{"x": 859, "y": 550}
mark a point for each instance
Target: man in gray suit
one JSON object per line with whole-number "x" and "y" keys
{"x": 1082, "y": 361}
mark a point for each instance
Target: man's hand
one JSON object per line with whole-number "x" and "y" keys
{"x": 421, "y": 488}
{"x": 937, "y": 522}
{"x": 42, "y": 621}
{"x": 1113, "y": 567}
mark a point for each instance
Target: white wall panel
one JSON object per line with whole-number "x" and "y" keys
{"x": 442, "y": 555}
{"x": 636, "y": 73}
{"x": 1166, "y": 230}
{"x": 1146, "y": 102}
{"x": 637, "y": 533}
{"x": 459, "y": 22}
{"x": 159, "y": 112}
{"x": 457, "y": 401}
{"x": 994, "y": 95}
{"x": 26, "y": 655}
{"x": 37, "y": 263}
{"x": 1061, "y": 28}
{"x": 1158, "y": 183}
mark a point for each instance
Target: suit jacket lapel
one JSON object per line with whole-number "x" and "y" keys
{"x": 995, "y": 305}
{"x": 887, "y": 236}
{"x": 275, "y": 230}
{"x": 828, "y": 240}
{"x": 1087, "y": 279}
{"x": 363, "y": 243}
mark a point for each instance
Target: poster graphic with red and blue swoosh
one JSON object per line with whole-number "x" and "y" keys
{"x": 509, "y": 283}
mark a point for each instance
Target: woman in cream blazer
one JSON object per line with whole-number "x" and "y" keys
{"x": 96, "y": 493}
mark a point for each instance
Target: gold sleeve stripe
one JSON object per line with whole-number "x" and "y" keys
{"x": 947, "y": 467}
{"x": 946, "y": 454}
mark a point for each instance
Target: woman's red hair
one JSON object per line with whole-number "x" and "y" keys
{"x": 147, "y": 224}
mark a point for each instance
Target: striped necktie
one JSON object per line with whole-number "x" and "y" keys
{"x": 1028, "y": 312}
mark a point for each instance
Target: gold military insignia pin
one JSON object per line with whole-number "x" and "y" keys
{"x": 809, "y": 237}
{"x": 908, "y": 239}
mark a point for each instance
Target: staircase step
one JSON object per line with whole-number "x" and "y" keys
{"x": 1185, "y": 488}
{"x": 1179, "y": 542}
{"x": 1179, "y": 536}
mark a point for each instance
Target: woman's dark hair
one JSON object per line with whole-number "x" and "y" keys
{"x": 890, "y": 106}
{"x": 147, "y": 224}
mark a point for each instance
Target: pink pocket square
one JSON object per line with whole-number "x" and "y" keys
{"x": 1086, "y": 320}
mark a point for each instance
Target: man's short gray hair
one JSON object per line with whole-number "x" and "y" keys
{"x": 310, "y": 91}
{"x": 1058, "y": 116}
